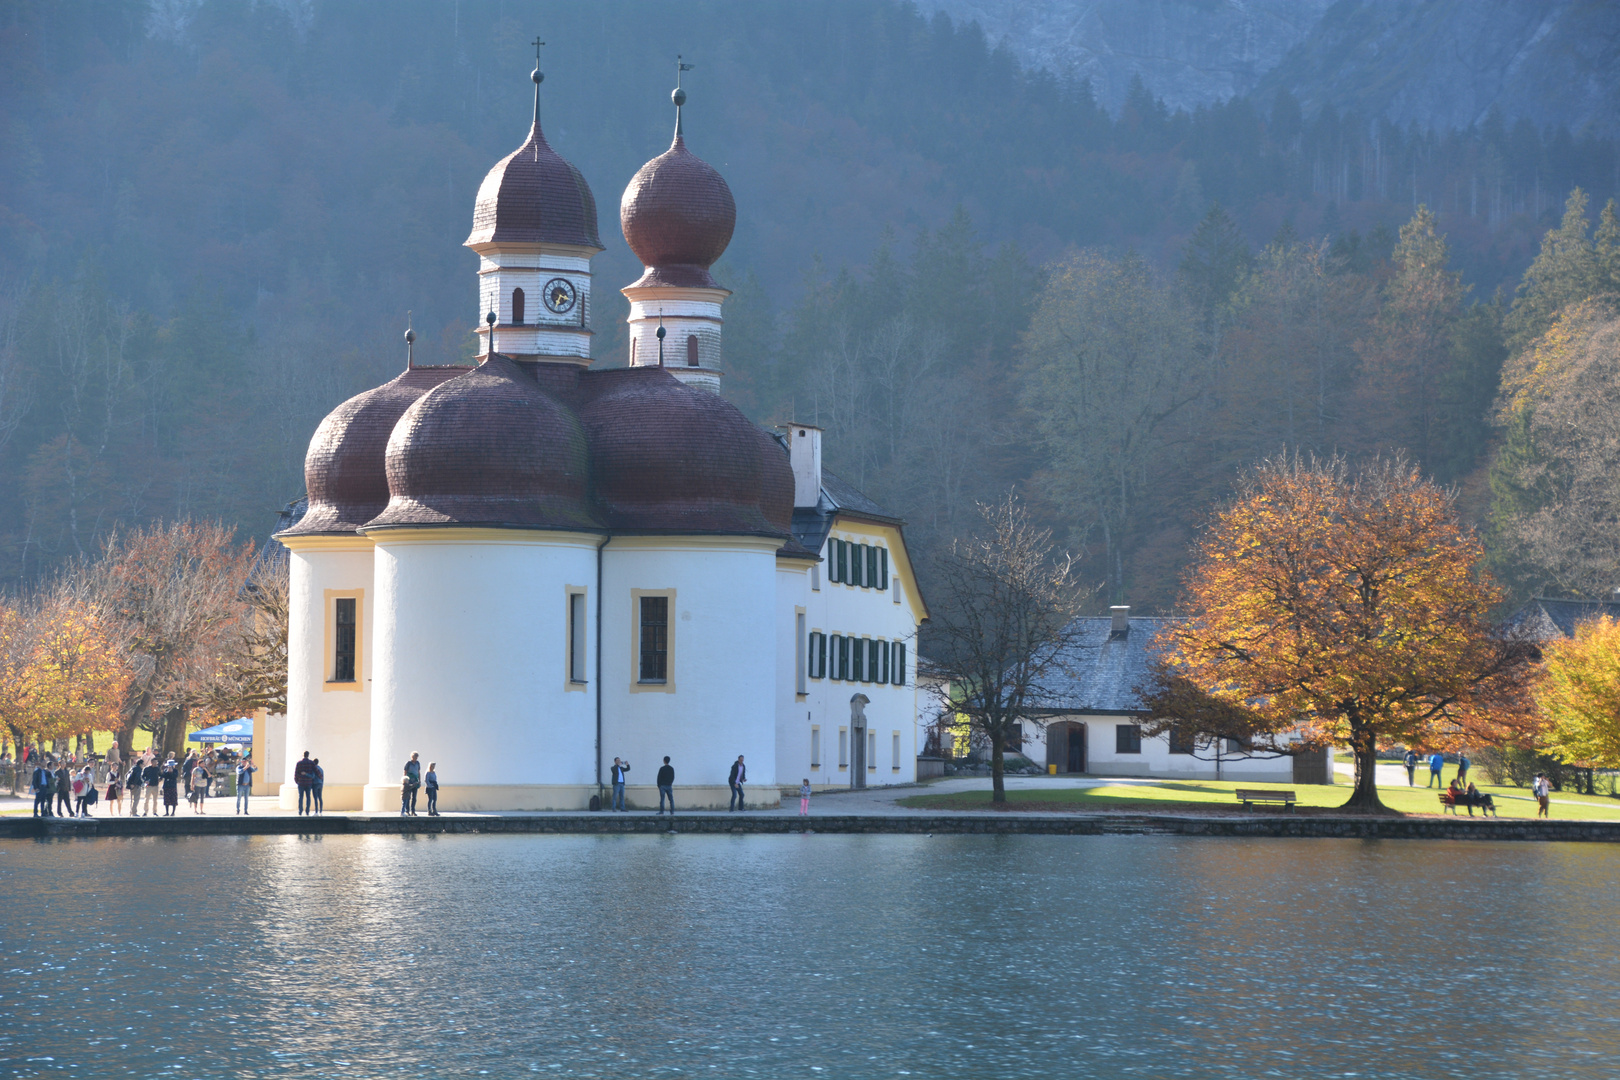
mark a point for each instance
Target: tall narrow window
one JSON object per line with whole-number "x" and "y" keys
{"x": 843, "y": 658}
{"x": 871, "y": 751}
{"x": 801, "y": 641}
{"x": 343, "y": 640}
{"x": 843, "y": 748}
{"x": 815, "y": 746}
{"x": 883, "y": 568}
{"x": 873, "y": 647}
{"x": 880, "y": 671}
{"x": 691, "y": 350}
{"x": 654, "y": 639}
{"x": 632, "y": 352}
{"x": 517, "y": 307}
{"x": 857, "y": 658}
{"x": 896, "y": 751}
{"x": 576, "y": 637}
{"x": 897, "y": 670}
{"x": 857, "y": 565}
{"x": 872, "y": 567}
{"x": 818, "y": 655}
{"x": 840, "y": 561}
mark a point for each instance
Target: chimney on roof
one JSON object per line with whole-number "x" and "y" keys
{"x": 1122, "y": 622}
{"x": 804, "y": 453}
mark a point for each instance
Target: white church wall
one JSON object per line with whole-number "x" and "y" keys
{"x": 330, "y": 719}
{"x": 793, "y": 709}
{"x": 720, "y": 697}
{"x": 1104, "y": 758}
{"x": 472, "y": 668}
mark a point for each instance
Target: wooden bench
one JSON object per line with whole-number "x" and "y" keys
{"x": 1249, "y": 796}
{"x": 1449, "y": 802}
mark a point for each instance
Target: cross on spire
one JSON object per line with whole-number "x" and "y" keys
{"x": 539, "y": 77}
{"x": 678, "y": 96}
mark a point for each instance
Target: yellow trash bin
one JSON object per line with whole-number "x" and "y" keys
{"x": 1051, "y": 770}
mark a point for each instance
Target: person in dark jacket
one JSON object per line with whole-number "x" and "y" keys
{"x": 739, "y": 777}
{"x": 152, "y": 780}
{"x": 170, "y": 775}
{"x": 132, "y": 784}
{"x": 617, "y": 774}
{"x": 304, "y": 777}
{"x": 44, "y": 783}
{"x": 413, "y": 777}
{"x": 430, "y": 784}
{"x": 1410, "y": 761}
{"x": 64, "y": 791}
{"x": 666, "y": 788}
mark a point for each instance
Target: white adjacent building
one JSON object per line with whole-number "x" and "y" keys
{"x": 524, "y": 569}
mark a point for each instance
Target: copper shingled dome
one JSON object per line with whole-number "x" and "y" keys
{"x": 670, "y": 458}
{"x": 678, "y": 216}
{"x": 345, "y": 470}
{"x": 489, "y": 448}
{"x": 534, "y": 196}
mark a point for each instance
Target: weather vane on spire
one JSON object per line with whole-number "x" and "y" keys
{"x": 679, "y": 96}
{"x": 538, "y": 77}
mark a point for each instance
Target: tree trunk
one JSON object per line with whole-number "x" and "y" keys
{"x": 174, "y": 731}
{"x": 1364, "y": 746}
{"x": 998, "y": 782}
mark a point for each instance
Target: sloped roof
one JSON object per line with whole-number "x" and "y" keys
{"x": 811, "y": 524}
{"x": 1543, "y": 619}
{"x": 1099, "y": 672}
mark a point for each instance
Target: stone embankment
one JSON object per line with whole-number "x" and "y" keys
{"x": 1278, "y": 825}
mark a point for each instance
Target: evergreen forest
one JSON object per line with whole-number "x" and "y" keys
{"x": 216, "y": 218}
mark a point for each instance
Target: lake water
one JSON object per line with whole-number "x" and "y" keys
{"x": 807, "y": 956}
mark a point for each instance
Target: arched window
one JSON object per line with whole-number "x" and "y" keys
{"x": 517, "y": 307}
{"x": 691, "y": 350}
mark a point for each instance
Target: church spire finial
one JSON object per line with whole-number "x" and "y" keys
{"x": 537, "y": 77}
{"x": 679, "y": 95}
{"x": 410, "y": 342}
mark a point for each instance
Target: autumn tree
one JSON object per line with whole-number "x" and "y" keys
{"x": 1579, "y": 695}
{"x": 253, "y": 669}
{"x": 1331, "y": 606}
{"x": 999, "y": 637}
{"x": 79, "y": 678}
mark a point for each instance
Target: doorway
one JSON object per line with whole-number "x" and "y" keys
{"x": 1066, "y": 747}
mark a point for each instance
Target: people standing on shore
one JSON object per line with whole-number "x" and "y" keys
{"x": 738, "y": 777}
{"x": 132, "y": 785}
{"x": 317, "y": 788}
{"x": 187, "y": 768}
{"x": 114, "y": 786}
{"x": 244, "y": 781}
{"x": 170, "y": 775}
{"x": 413, "y": 773}
{"x": 84, "y": 787}
{"x": 199, "y": 787}
{"x": 407, "y": 792}
{"x": 617, "y": 774}
{"x": 1462, "y": 765}
{"x": 303, "y": 777}
{"x": 152, "y": 780}
{"x": 43, "y": 781}
{"x": 1437, "y": 762}
{"x": 666, "y": 787}
{"x": 1410, "y": 761}
{"x": 430, "y": 783}
{"x": 804, "y": 798}
{"x": 1542, "y": 790}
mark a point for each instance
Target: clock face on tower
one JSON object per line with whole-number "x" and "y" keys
{"x": 559, "y": 294}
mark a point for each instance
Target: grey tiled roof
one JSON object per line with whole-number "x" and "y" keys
{"x": 1542, "y": 619}
{"x": 1100, "y": 673}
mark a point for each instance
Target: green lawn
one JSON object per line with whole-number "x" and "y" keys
{"x": 1172, "y": 795}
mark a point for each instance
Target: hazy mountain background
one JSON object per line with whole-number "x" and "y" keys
{"x": 216, "y": 214}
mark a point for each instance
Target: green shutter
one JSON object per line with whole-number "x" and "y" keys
{"x": 883, "y": 569}
{"x": 872, "y": 567}
{"x": 899, "y": 663}
{"x": 872, "y": 651}
{"x": 821, "y": 655}
{"x": 842, "y": 564}
{"x": 857, "y": 657}
{"x": 843, "y": 657}
{"x": 857, "y": 565}
{"x": 884, "y": 651}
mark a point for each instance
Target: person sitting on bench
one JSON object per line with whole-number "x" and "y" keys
{"x": 1478, "y": 798}
{"x": 1459, "y": 797}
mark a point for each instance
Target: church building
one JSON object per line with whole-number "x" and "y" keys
{"x": 524, "y": 569}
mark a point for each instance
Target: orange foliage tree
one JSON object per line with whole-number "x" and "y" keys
{"x": 79, "y": 675}
{"x": 1335, "y": 607}
{"x": 1580, "y": 695}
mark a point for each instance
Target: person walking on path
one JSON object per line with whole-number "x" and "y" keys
{"x": 430, "y": 784}
{"x": 1542, "y": 790}
{"x": 115, "y": 788}
{"x": 1410, "y": 762}
{"x": 619, "y": 769}
{"x": 170, "y": 775}
{"x": 1462, "y": 766}
{"x": 64, "y": 790}
{"x": 413, "y": 772}
{"x": 739, "y": 777}
{"x": 317, "y": 788}
{"x": 666, "y": 787}
{"x": 304, "y": 777}
{"x": 1437, "y": 761}
{"x": 804, "y": 798}
{"x": 43, "y": 782}
{"x": 199, "y": 788}
{"x": 132, "y": 781}
{"x": 244, "y": 782}
{"x": 83, "y": 785}
{"x": 187, "y": 768}
{"x": 152, "y": 781}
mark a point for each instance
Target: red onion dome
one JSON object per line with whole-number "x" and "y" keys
{"x": 345, "y": 470}
{"x": 678, "y": 216}
{"x": 488, "y": 448}
{"x": 669, "y": 458}
{"x": 533, "y": 195}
